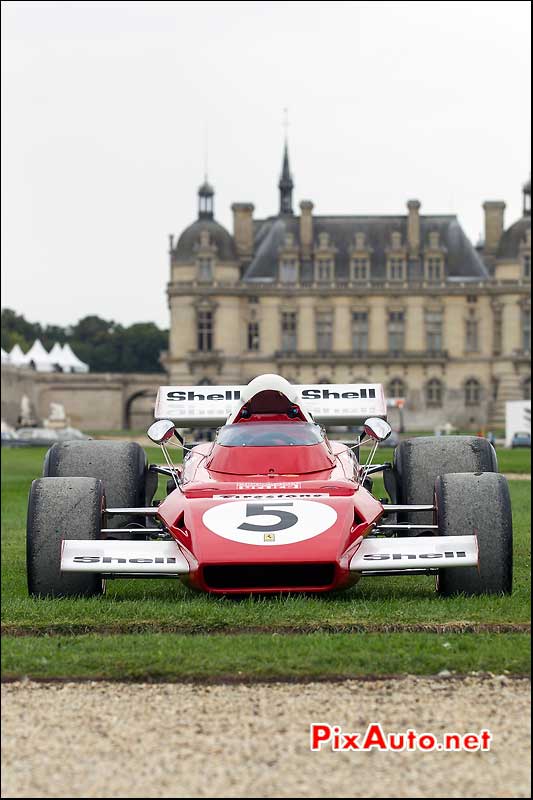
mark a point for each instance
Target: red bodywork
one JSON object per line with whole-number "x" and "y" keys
{"x": 214, "y": 475}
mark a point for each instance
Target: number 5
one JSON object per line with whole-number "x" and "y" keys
{"x": 286, "y": 518}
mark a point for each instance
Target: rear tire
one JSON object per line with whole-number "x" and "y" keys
{"x": 480, "y": 503}
{"x": 418, "y": 463}
{"x": 61, "y": 508}
{"x": 120, "y": 465}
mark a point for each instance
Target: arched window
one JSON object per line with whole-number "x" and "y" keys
{"x": 434, "y": 392}
{"x": 472, "y": 392}
{"x": 396, "y": 388}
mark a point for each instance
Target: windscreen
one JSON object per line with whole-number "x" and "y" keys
{"x": 269, "y": 434}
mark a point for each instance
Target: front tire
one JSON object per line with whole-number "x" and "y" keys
{"x": 476, "y": 503}
{"x": 61, "y": 508}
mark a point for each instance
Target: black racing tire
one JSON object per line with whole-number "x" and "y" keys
{"x": 418, "y": 463}
{"x": 61, "y": 508}
{"x": 480, "y": 504}
{"x": 120, "y": 465}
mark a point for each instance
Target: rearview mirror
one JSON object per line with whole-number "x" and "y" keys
{"x": 377, "y": 429}
{"x": 161, "y": 431}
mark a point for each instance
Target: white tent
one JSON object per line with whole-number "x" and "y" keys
{"x": 5, "y": 356}
{"x": 71, "y": 362}
{"x": 17, "y": 356}
{"x": 56, "y": 356}
{"x": 38, "y": 357}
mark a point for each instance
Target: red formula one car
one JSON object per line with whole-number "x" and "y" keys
{"x": 271, "y": 505}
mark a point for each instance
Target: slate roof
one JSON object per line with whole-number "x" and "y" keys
{"x": 218, "y": 235}
{"x": 513, "y": 237}
{"x": 462, "y": 260}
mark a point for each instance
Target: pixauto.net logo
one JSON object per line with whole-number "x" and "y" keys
{"x": 324, "y": 735}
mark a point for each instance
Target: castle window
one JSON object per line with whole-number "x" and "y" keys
{"x": 205, "y": 270}
{"x": 497, "y": 332}
{"x": 288, "y": 270}
{"x": 472, "y": 335}
{"x": 253, "y": 336}
{"x": 396, "y": 331}
{"x": 527, "y": 267}
{"x": 288, "y": 331}
{"x": 205, "y": 330}
{"x": 360, "y": 332}
{"x": 396, "y": 269}
{"x": 472, "y": 392}
{"x": 434, "y": 331}
{"x": 526, "y": 330}
{"x": 324, "y": 270}
{"x": 324, "y": 331}
{"x": 434, "y": 393}
{"x": 434, "y": 269}
{"x": 360, "y": 271}
{"x": 397, "y": 389}
{"x": 526, "y": 388}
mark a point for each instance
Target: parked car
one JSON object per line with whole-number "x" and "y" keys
{"x": 521, "y": 440}
{"x": 46, "y": 437}
{"x": 10, "y": 439}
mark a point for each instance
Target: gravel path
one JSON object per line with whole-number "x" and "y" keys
{"x": 172, "y": 740}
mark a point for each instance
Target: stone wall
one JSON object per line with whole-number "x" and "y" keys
{"x": 93, "y": 401}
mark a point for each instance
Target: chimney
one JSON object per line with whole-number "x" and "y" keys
{"x": 306, "y": 228}
{"x": 243, "y": 228}
{"x": 494, "y": 211}
{"x": 413, "y": 226}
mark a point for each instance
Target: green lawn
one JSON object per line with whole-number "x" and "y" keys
{"x": 317, "y": 655}
{"x": 150, "y": 607}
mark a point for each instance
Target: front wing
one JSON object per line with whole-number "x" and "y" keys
{"x": 165, "y": 558}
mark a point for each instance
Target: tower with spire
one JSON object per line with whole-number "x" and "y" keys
{"x": 206, "y": 196}
{"x": 286, "y": 184}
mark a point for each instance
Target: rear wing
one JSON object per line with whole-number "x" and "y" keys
{"x": 329, "y": 404}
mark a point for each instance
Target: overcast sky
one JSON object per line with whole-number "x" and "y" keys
{"x": 106, "y": 104}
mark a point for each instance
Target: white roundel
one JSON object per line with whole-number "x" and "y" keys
{"x": 269, "y": 521}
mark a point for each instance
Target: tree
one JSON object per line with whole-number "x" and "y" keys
{"x": 103, "y": 344}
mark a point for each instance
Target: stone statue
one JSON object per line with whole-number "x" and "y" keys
{"x": 57, "y": 413}
{"x": 57, "y": 417}
{"x": 26, "y": 418}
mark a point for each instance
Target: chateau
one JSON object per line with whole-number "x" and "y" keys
{"x": 403, "y": 300}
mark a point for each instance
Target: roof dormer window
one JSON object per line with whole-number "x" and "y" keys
{"x": 288, "y": 270}
{"x": 396, "y": 268}
{"x": 434, "y": 269}
{"x": 324, "y": 270}
{"x": 360, "y": 270}
{"x": 205, "y": 270}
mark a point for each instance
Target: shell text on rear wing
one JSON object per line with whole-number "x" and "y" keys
{"x": 210, "y": 406}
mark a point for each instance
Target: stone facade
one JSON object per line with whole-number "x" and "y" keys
{"x": 92, "y": 401}
{"x": 403, "y": 300}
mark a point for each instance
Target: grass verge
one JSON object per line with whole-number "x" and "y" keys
{"x": 256, "y": 656}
